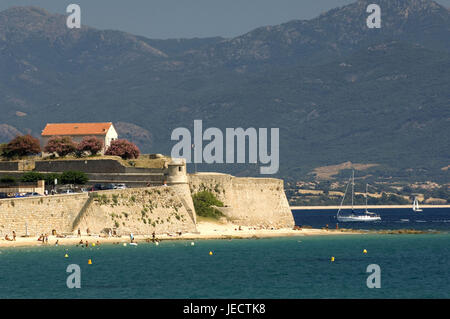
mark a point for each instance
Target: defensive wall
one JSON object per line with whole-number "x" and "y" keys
{"x": 138, "y": 210}
{"x": 142, "y": 210}
{"x": 248, "y": 201}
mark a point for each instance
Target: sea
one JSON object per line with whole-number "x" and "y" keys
{"x": 408, "y": 265}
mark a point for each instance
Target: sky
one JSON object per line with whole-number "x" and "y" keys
{"x": 162, "y": 19}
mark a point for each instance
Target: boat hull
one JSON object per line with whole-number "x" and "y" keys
{"x": 356, "y": 218}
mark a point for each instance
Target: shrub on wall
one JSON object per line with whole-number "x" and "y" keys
{"x": 203, "y": 202}
{"x": 61, "y": 145}
{"x": 50, "y": 178}
{"x": 22, "y": 145}
{"x": 74, "y": 177}
{"x": 32, "y": 177}
{"x": 8, "y": 180}
{"x": 90, "y": 144}
{"x": 124, "y": 149}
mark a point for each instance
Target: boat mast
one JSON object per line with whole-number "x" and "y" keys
{"x": 366, "y": 196}
{"x": 343, "y": 197}
{"x": 353, "y": 186}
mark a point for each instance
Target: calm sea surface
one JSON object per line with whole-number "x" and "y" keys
{"x": 402, "y": 218}
{"x": 412, "y": 266}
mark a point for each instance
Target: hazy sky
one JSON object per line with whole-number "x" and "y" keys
{"x": 187, "y": 18}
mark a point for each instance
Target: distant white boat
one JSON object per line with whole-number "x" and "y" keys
{"x": 416, "y": 207}
{"x": 353, "y": 217}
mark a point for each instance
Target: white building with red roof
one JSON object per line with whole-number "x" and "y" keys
{"x": 77, "y": 131}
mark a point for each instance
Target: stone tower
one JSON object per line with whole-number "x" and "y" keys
{"x": 176, "y": 171}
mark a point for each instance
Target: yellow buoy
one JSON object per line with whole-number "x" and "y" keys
{"x": 332, "y": 258}
{"x": 210, "y": 253}
{"x": 156, "y": 243}
{"x": 365, "y": 251}
{"x": 66, "y": 256}
{"x": 124, "y": 244}
{"x": 93, "y": 244}
{"x": 89, "y": 262}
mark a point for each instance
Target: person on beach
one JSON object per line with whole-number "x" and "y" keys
{"x": 131, "y": 237}
{"x": 79, "y": 232}
{"x": 87, "y": 244}
{"x": 153, "y": 236}
{"x": 57, "y": 242}
{"x": 14, "y": 235}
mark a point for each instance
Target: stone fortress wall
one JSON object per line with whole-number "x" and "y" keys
{"x": 135, "y": 210}
{"x": 248, "y": 201}
{"x": 142, "y": 210}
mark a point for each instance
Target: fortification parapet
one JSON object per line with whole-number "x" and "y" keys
{"x": 176, "y": 171}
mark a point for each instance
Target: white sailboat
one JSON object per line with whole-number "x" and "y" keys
{"x": 416, "y": 207}
{"x": 366, "y": 217}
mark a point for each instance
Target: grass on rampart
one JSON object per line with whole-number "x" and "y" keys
{"x": 204, "y": 203}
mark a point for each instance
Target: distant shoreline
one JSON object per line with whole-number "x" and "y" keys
{"x": 363, "y": 207}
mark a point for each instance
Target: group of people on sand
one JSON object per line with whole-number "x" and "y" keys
{"x": 43, "y": 238}
{"x": 13, "y": 237}
{"x": 86, "y": 243}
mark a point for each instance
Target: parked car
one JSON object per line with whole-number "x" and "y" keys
{"x": 96, "y": 187}
{"x": 109, "y": 186}
{"x": 120, "y": 186}
{"x": 66, "y": 191}
{"x": 31, "y": 194}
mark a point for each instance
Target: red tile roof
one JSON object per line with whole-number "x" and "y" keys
{"x": 76, "y": 129}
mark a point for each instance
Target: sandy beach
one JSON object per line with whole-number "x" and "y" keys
{"x": 206, "y": 230}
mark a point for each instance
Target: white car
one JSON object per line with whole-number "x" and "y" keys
{"x": 120, "y": 186}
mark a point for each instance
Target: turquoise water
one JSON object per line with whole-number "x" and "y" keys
{"x": 412, "y": 266}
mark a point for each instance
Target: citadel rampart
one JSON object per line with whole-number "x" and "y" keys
{"x": 104, "y": 170}
{"x": 248, "y": 201}
{"x": 138, "y": 210}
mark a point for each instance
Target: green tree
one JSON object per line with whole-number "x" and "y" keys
{"x": 32, "y": 177}
{"x": 74, "y": 177}
{"x": 50, "y": 178}
{"x": 8, "y": 180}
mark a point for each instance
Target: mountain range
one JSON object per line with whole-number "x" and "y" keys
{"x": 337, "y": 90}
